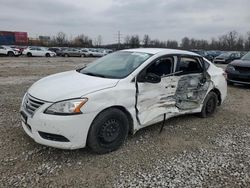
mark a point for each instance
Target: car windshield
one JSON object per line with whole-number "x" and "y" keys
{"x": 116, "y": 65}
{"x": 246, "y": 57}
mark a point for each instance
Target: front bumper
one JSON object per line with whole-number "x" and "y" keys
{"x": 49, "y": 130}
{"x": 239, "y": 78}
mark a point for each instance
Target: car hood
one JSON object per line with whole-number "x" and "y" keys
{"x": 241, "y": 63}
{"x": 67, "y": 85}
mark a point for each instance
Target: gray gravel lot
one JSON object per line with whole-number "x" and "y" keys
{"x": 190, "y": 152}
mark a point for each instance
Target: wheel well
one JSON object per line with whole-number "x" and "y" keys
{"x": 217, "y": 92}
{"x": 127, "y": 113}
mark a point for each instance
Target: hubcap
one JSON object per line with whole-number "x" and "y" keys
{"x": 109, "y": 131}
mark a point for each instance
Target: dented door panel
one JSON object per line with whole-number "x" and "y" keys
{"x": 157, "y": 99}
{"x": 191, "y": 91}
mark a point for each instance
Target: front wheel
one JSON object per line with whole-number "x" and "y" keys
{"x": 108, "y": 131}
{"x": 11, "y": 54}
{"x": 47, "y": 55}
{"x": 209, "y": 105}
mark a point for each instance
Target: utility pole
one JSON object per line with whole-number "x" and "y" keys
{"x": 119, "y": 36}
{"x": 119, "y": 40}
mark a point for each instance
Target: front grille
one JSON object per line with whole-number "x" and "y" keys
{"x": 31, "y": 104}
{"x": 242, "y": 69}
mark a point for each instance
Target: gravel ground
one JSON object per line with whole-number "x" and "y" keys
{"x": 190, "y": 152}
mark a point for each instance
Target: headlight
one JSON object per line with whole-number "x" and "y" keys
{"x": 230, "y": 68}
{"x": 68, "y": 107}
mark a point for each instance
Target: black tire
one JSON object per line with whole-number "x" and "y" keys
{"x": 91, "y": 55}
{"x": 209, "y": 105}
{"x": 83, "y": 55}
{"x": 29, "y": 54}
{"x": 66, "y": 55}
{"x": 11, "y": 54}
{"x": 47, "y": 55}
{"x": 108, "y": 131}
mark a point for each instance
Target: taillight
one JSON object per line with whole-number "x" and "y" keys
{"x": 225, "y": 75}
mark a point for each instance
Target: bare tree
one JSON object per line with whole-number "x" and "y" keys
{"x": 185, "y": 43}
{"x": 83, "y": 41}
{"x": 247, "y": 41}
{"x": 61, "y": 38}
{"x": 99, "y": 40}
{"x": 172, "y": 44}
{"x": 146, "y": 40}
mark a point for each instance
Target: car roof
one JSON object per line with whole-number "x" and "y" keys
{"x": 161, "y": 50}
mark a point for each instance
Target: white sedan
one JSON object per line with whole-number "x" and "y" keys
{"x": 38, "y": 52}
{"x": 98, "y": 105}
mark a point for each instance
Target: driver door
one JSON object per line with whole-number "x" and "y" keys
{"x": 156, "y": 99}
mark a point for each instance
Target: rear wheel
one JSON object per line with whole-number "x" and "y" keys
{"x": 108, "y": 131}
{"x": 29, "y": 54}
{"x": 66, "y": 55}
{"x": 209, "y": 105}
{"x": 47, "y": 55}
{"x": 11, "y": 54}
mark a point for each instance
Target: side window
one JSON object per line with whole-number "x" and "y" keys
{"x": 1, "y": 47}
{"x": 188, "y": 65}
{"x": 161, "y": 67}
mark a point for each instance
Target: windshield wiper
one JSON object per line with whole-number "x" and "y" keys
{"x": 93, "y": 74}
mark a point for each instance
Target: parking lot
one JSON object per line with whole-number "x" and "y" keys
{"x": 190, "y": 151}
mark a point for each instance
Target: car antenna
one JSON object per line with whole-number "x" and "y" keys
{"x": 163, "y": 122}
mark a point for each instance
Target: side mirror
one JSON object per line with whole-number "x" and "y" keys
{"x": 152, "y": 78}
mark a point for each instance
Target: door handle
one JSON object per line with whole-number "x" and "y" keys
{"x": 172, "y": 86}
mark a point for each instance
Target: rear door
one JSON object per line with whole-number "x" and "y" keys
{"x": 193, "y": 82}
{"x": 156, "y": 99}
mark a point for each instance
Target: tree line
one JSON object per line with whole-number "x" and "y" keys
{"x": 228, "y": 42}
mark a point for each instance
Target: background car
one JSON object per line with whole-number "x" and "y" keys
{"x": 8, "y": 51}
{"x": 227, "y": 57}
{"x": 96, "y": 53}
{"x": 85, "y": 52}
{"x": 203, "y": 54}
{"x": 58, "y": 51}
{"x": 72, "y": 52}
{"x": 238, "y": 71}
{"x": 38, "y": 52}
{"x": 214, "y": 53}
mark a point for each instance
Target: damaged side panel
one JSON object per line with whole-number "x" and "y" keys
{"x": 173, "y": 96}
{"x": 156, "y": 99}
{"x": 191, "y": 91}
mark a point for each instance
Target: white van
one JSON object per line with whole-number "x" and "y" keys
{"x": 118, "y": 94}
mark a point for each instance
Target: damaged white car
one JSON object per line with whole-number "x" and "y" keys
{"x": 98, "y": 105}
